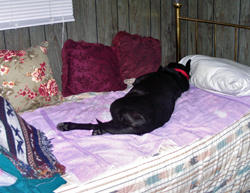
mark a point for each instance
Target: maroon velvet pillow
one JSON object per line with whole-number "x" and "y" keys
{"x": 137, "y": 55}
{"x": 89, "y": 67}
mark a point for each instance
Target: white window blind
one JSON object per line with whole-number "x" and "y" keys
{"x": 25, "y": 13}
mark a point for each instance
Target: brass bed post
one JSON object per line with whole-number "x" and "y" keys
{"x": 178, "y": 31}
{"x": 215, "y": 24}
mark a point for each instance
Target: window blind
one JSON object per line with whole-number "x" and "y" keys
{"x": 25, "y": 13}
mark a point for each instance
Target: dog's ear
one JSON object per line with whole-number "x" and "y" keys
{"x": 188, "y": 65}
{"x": 160, "y": 68}
{"x": 172, "y": 65}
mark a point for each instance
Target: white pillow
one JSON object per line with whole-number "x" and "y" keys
{"x": 219, "y": 75}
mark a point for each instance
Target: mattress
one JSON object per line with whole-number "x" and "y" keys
{"x": 203, "y": 148}
{"x": 219, "y": 163}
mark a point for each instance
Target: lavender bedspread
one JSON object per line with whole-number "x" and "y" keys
{"x": 197, "y": 114}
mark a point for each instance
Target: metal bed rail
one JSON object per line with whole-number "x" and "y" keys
{"x": 215, "y": 23}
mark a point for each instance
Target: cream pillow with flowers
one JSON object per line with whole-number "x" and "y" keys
{"x": 26, "y": 78}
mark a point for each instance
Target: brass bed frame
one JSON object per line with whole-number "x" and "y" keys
{"x": 215, "y": 23}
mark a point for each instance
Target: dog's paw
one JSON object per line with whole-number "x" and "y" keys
{"x": 98, "y": 132}
{"x": 63, "y": 127}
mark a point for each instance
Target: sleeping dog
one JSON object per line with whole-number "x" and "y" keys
{"x": 147, "y": 106}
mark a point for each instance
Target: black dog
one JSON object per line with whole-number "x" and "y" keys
{"x": 147, "y": 106}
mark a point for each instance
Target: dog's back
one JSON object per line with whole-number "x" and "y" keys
{"x": 150, "y": 103}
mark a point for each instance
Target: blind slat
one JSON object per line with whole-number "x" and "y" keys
{"x": 25, "y": 13}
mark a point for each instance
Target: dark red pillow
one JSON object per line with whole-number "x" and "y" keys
{"x": 137, "y": 55}
{"x": 89, "y": 67}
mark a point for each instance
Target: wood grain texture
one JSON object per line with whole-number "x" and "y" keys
{"x": 205, "y": 11}
{"x": 2, "y": 40}
{"x": 184, "y": 29}
{"x": 37, "y": 35}
{"x": 54, "y": 36}
{"x": 167, "y": 32}
{"x": 192, "y": 13}
{"x": 244, "y": 35}
{"x": 84, "y": 26}
{"x": 155, "y": 19}
{"x": 106, "y": 20}
{"x": 139, "y": 12}
{"x": 228, "y": 12}
{"x": 123, "y": 15}
{"x": 17, "y": 39}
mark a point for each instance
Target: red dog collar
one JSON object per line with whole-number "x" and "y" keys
{"x": 183, "y": 72}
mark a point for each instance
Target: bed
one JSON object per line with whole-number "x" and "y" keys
{"x": 203, "y": 148}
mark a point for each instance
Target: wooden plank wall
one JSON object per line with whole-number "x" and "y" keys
{"x": 227, "y": 11}
{"x": 100, "y": 20}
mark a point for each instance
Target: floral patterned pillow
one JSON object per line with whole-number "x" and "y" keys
{"x": 26, "y": 79}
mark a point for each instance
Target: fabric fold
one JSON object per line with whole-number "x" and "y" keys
{"x": 28, "y": 185}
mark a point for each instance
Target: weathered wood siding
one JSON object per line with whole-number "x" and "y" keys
{"x": 100, "y": 20}
{"x": 227, "y": 11}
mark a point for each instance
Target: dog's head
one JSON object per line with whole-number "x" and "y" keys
{"x": 180, "y": 68}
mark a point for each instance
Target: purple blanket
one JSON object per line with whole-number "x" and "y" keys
{"x": 197, "y": 114}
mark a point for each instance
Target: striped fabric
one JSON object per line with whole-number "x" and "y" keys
{"x": 219, "y": 163}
